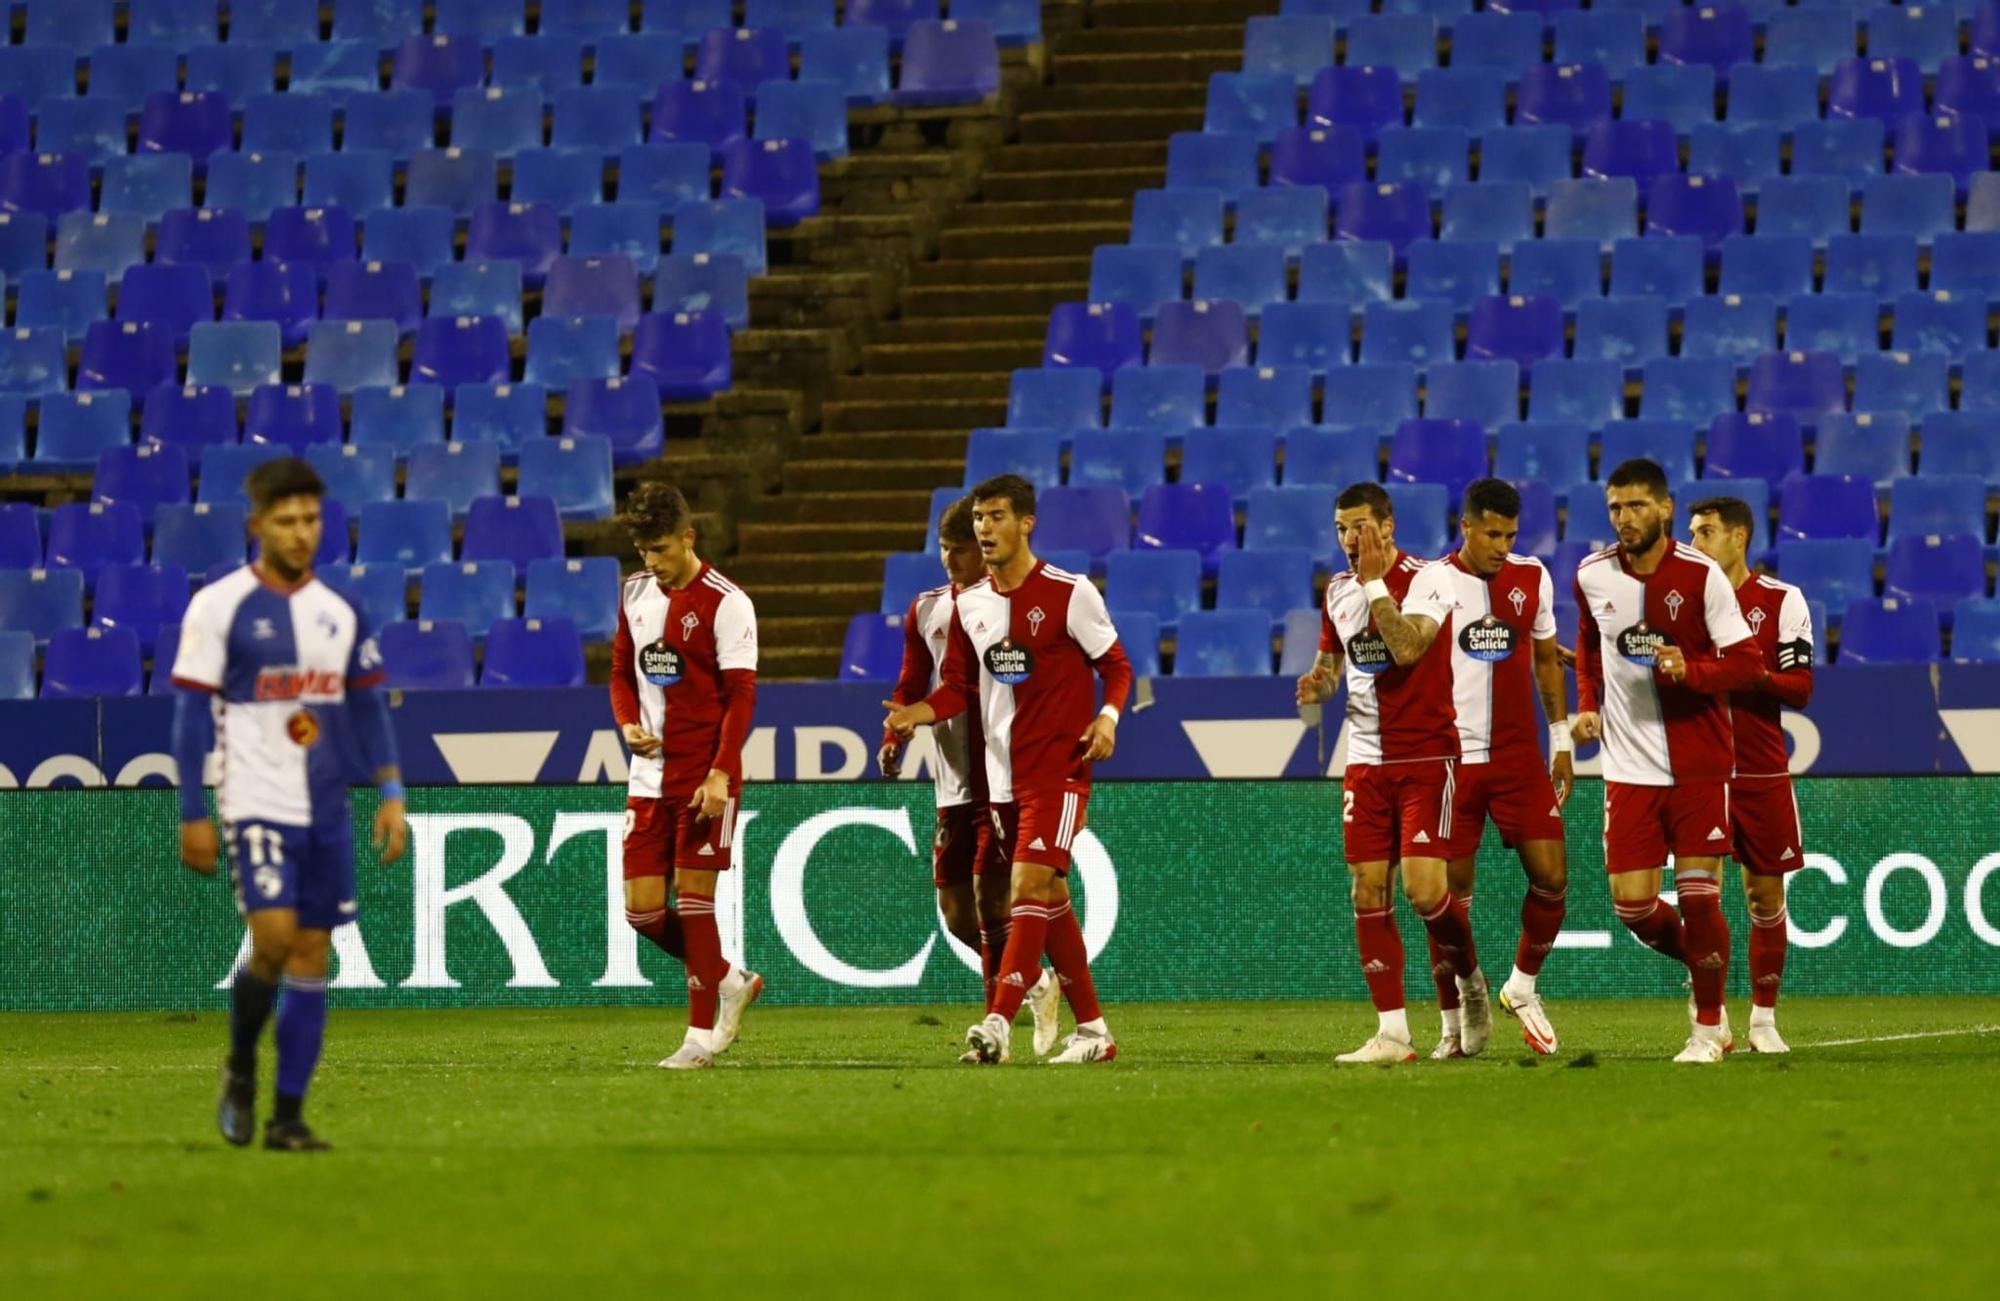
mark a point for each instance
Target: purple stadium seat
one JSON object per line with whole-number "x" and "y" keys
{"x": 782, "y": 173}
{"x": 1805, "y": 385}
{"x": 519, "y": 529}
{"x": 698, "y": 112}
{"x": 76, "y": 428}
{"x": 527, "y": 233}
{"x": 316, "y": 237}
{"x": 1970, "y": 84}
{"x": 191, "y": 122}
{"x": 48, "y": 184}
{"x": 140, "y": 598}
{"x": 374, "y": 291}
{"x": 948, "y": 62}
{"x": 1829, "y": 506}
{"x": 215, "y": 239}
{"x": 13, "y": 124}
{"x": 1523, "y": 328}
{"x": 894, "y": 16}
{"x": 1450, "y": 452}
{"x": 1198, "y": 517}
{"x": 1942, "y": 569}
{"x": 1753, "y": 445}
{"x": 533, "y": 653}
{"x": 1954, "y": 144}
{"x": 1710, "y": 207}
{"x": 454, "y": 350}
{"x": 295, "y": 415}
{"x": 426, "y": 654}
{"x": 130, "y": 355}
{"x": 1096, "y": 520}
{"x": 92, "y": 662}
{"x": 199, "y": 537}
{"x": 1394, "y": 213}
{"x": 1641, "y": 149}
{"x": 1101, "y": 336}
{"x": 199, "y": 415}
{"x": 624, "y": 409}
{"x": 20, "y": 536}
{"x": 1575, "y": 95}
{"x": 604, "y": 285}
{"x": 439, "y": 64}
{"x": 1326, "y": 156}
{"x": 873, "y": 648}
{"x": 1889, "y": 631}
{"x": 86, "y": 536}
{"x": 1719, "y": 36}
{"x": 283, "y": 292}
{"x": 1366, "y": 99}
{"x": 1886, "y": 89}
{"x": 1210, "y": 333}
{"x": 173, "y": 297}
{"x": 145, "y": 476}
{"x": 685, "y": 353}
{"x": 743, "y": 56}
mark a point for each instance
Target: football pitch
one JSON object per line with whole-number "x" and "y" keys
{"x": 843, "y": 1152}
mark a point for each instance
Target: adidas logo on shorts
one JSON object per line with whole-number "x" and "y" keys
{"x": 1421, "y": 838}
{"x": 1715, "y": 833}
{"x": 706, "y": 851}
{"x": 1038, "y": 844}
{"x": 1786, "y": 856}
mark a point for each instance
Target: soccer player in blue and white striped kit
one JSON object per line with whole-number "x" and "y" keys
{"x": 278, "y": 675}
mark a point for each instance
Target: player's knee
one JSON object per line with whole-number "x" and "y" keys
{"x": 1634, "y": 912}
{"x": 1368, "y": 895}
{"x": 1424, "y": 896}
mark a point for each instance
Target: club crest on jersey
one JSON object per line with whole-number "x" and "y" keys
{"x": 1487, "y": 639}
{"x": 1756, "y": 618}
{"x": 1035, "y": 617}
{"x": 660, "y": 664}
{"x": 1368, "y": 652}
{"x": 1009, "y": 664}
{"x": 1674, "y": 602}
{"x": 1519, "y": 600}
{"x": 688, "y": 624}
{"x": 303, "y": 727}
{"x": 1641, "y": 643}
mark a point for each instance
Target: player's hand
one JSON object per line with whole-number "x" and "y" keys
{"x": 1670, "y": 662}
{"x": 904, "y": 720}
{"x": 708, "y": 801}
{"x": 1371, "y": 561}
{"x": 890, "y": 756}
{"x": 1099, "y": 739}
{"x": 1315, "y": 688}
{"x": 1562, "y": 772}
{"x": 640, "y": 741}
{"x": 392, "y": 829}
{"x": 1585, "y": 727}
{"x": 198, "y": 846}
{"x": 1565, "y": 656}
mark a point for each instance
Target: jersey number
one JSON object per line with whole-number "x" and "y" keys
{"x": 265, "y": 845}
{"x": 1347, "y": 806}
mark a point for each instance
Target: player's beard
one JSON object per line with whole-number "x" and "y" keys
{"x": 1647, "y": 540}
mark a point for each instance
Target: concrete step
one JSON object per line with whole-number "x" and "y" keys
{"x": 1027, "y": 241}
{"x": 1181, "y": 67}
{"x": 1079, "y": 157}
{"x": 1163, "y": 13}
{"x": 799, "y": 663}
{"x": 822, "y": 632}
{"x": 990, "y": 213}
{"x": 877, "y": 386}
{"x": 823, "y": 475}
{"x": 962, "y": 329}
{"x": 862, "y": 507}
{"x": 880, "y": 417}
{"x": 756, "y": 572}
{"x": 954, "y": 362}
{"x": 927, "y": 446}
{"x": 1051, "y": 186}
{"x": 1012, "y": 300}
{"x": 1113, "y": 97}
{"x": 1109, "y": 124}
{"x": 784, "y": 601}
{"x": 797, "y": 539}
{"x": 968, "y": 272}
{"x": 1160, "y": 38}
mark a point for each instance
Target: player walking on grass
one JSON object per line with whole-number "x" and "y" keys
{"x": 277, "y": 675}
{"x": 683, "y": 686}
{"x": 970, "y": 876}
{"x": 1024, "y": 644}
{"x": 1503, "y": 654}
{"x": 1763, "y": 811}
{"x": 1381, "y": 623}
{"x": 1661, "y": 644}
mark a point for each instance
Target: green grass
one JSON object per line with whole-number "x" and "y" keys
{"x": 842, "y": 1152}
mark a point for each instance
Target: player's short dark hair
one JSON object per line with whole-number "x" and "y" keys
{"x": 1734, "y": 512}
{"x": 1366, "y": 493}
{"x": 1492, "y": 497}
{"x": 955, "y": 525}
{"x": 1640, "y": 473}
{"x": 271, "y": 482}
{"x": 1018, "y": 493}
{"x": 655, "y": 510}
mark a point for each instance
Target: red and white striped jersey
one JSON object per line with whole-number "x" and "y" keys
{"x": 1027, "y": 659}
{"x": 1493, "y": 657}
{"x": 960, "y": 774}
{"x": 1394, "y": 714}
{"x": 673, "y": 648}
{"x": 1658, "y": 732}
{"x": 1782, "y": 624}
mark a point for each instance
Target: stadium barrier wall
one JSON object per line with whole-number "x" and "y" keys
{"x": 511, "y": 896}
{"x": 1863, "y": 720}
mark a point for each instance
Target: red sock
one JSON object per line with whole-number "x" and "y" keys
{"x": 992, "y": 953}
{"x": 1451, "y": 935}
{"x": 1541, "y": 919}
{"x": 1381, "y": 947}
{"x": 1027, "y": 931}
{"x": 1767, "y": 958}
{"x": 1707, "y": 941}
{"x": 1441, "y": 976}
{"x": 1657, "y": 926}
{"x": 662, "y": 927}
{"x": 1071, "y": 960}
{"x": 705, "y": 965}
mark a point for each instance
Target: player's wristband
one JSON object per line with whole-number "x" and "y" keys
{"x": 1110, "y": 712}
{"x": 1560, "y": 741}
{"x": 391, "y": 790}
{"x": 1375, "y": 590}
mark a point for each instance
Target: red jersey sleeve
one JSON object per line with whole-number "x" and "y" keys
{"x": 1737, "y": 667}
{"x": 739, "y": 702}
{"x": 1589, "y": 657}
{"x": 1790, "y": 680}
{"x": 624, "y": 695}
{"x": 914, "y": 675}
{"x": 1116, "y": 669}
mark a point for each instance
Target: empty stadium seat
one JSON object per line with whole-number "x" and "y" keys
{"x": 570, "y": 350}
{"x": 236, "y": 355}
{"x": 1223, "y": 643}
{"x": 426, "y": 655}
{"x": 17, "y": 664}
{"x": 1829, "y": 506}
{"x": 1937, "y": 504}
{"x": 1163, "y": 583}
{"x": 1295, "y": 515}
{"x": 1130, "y": 460}
{"x": 87, "y": 536}
{"x": 201, "y": 536}
{"x": 1943, "y": 569}
{"x": 1448, "y": 452}
{"x": 1975, "y": 633}
{"x": 573, "y": 471}
{"x": 140, "y": 598}
{"x": 92, "y": 662}
{"x": 77, "y": 428}
{"x": 1889, "y": 631}
{"x": 873, "y": 648}
{"x": 66, "y": 301}
{"x": 1092, "y": 520}
{"x": 284, "y": 293}
{"x": 145, "y": 476}
{"x": 473, "y": 593}
{"x": 407, "y": 533}
{"x": 1873, "y": 445}
{"x": 41, "y": 601}
{"x": 355, "y": 476}
{"x": 1034, "y": 454}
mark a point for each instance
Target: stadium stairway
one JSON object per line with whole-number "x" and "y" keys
{"x": 1122, "y": 76}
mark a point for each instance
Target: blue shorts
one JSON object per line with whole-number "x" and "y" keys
{"x": 307, "y": 869}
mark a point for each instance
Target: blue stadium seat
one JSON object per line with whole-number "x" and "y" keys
{"x": 1350, "y": 273}
{"x": 569, "y": 350}
{"x": 407, "y": 533}
{"x": 1614, "y": 38}
{"x": 1912, "y": 383}
{"x": 1329, "y": 458}
{"x": 17, "y": 664}
{"x": 1749, "y": 154}
{"x": 223, "y": 469}
{"x": 526, "y": 233}
{"x": 596, "y": 121}
{"x": 603, "y": 287}
{"x": 1259, "y": 104}
{"x": 1414, "y": 333}
{"x": 1917, "y": 206}
{"x": 1225, "y": 162}
{"x": 92, "y": 662}
{"x": 235, "y": 355}
{"x": 1486, "y": 392}
{"x": 107, "y": 243}
{"x": 1686, "y": 388}
{"x": 459, "y": 180}
{"x": 1943, "y": 569}
{"x": 1457, "y": 273}
{"x": 1806, "y": 385}
{"x": 90, "y": 129}
{"x": 905, "y": 575}
{"x": 1238, "y": 459}
{"x": 1706, "y": 208}
{"x": 1373, "y": 397}
{"x": 1211, "y": 334}
{"x": 1397, "y": 213}
{"x": 1501, "y": 213}
{"x": 1874, "y": 445}
{"x": 780, "y": 173}
{"x": 629, "y": 230}
{"x": 1937, "y": 504}
{"x": 1808, "y": 207}
{"x": 1034, "y": 454}
{"x": 873, "y": 649}
{"x": 1555, "y": 453}
{"x": 1223, "y": 643}
{"x": 854, "y": 58}
{"x": 440, "y": 64}
{"x": 41, "y": 601}
{"x": 1751, "y": 445}
{"x": 66, "y": 301}
{"x": 35, "y": 75}
{"x": 192, "y": 122}
{"x": 201, "y": 536}
{"x": 1834, "y": 571}
{"x": 1163, "y": 583}
{"x": 72, "y": 23}
{"x": 472, "y": 592}
{"x": 1968, "y": 85}
{"x": 1948, "y": 144}
{"x": 126, "y": 74}
{"x": 685, "y": 353}
{"x": 1665, "y": 268}
{"x": 251, "y": 182}
{"x": 1298, "y": 515}
{"x": 86, "y": 536}
{"x": 237, "y": 70}
{"x": 1292, "y": 46}
{"x": 131, "y": 355}
{"x": 294, "y": 415}
{"x": 402, "y": 420}
{"x": 489, "y": 290}
{"x": 533, "y": 653}
{"x": 172, "y": 297}
{"x": 1603, "y": 210}
{"x": 703, "y": 282}
{"x": 20, "y": 536}
{"x": 1187, "y": 220}
{"x": 1431, "y": 157}
{"x": 1848, "y": 150}
{"x": 1889, "y": 631}
{"x": 24, "y": 240}
{"x": 1715, "y": 37}
{"x": 1568, "y": 270}
{"x": 1130, "y": 460}
{"x": 559, "y": 178}
{"x": 1164, "y": 397}
{"x": 214, "y": 239}
{"x": 1682, "y": 96}
{"x": 948, "y": 62}
{"x": 1522, "y": 328}
{"x": 1273, "y": 582}
{"x": 1588, "y": 392}
{"x": 1967, "y": 263}
{"x": 1267, "y": 397}
{"x": 1142, "y": 277}
{"x": 622, "y": 409}
{"x": 374, "y": 291}
{"x": 140, "y": 598}
{"x": 701, "y": 112}
{"x": 348, "y": 72}
{"x": 574, "y": 471}
{"x": 1535, "y": 156}
{"x": 382, "y": 591}
{"x": 1095, "y": 521}
{"x": 1572, "y": 95}
{"x": 1470, "y": 99}
{"x": 459, "y": 350}
{"x": 1753, "y": 492}
{"x": 1886, "y": 88}
{"x": 1291, "y": 218}
{"x": 145, "y": 476}
{"x": 355, "y": 476}
{"x": 1423, "y": 514}
{"x": 1094, "y": 336}
{"x": 1782, "y": 95}
{"x": 1940, "y": 322}
{"x": 280, "y": 293}
{"x": 1765, "y": 264}
{"x": 1250, "y": 275}
{"x": 426, "y": 655}
{"x": 582, "y": 589}
{"x": 1840, "y": 323}
{"x": 1055, "y": 399}
{"x": 1975, "y": 633}
{"x": 314, "y": 236}
{"x": 77, "y": 428}
{"x": 348, "y": 355}
{"x": 1448, "y": 452}
{"x": 1736, "y": 327}
{"x": 1324, "y": 156}
{"x": 1811, "y": 36}
{"x": 1981, "y": 390}
{"x": 510, "y": 415}
{"x": 1829, "y": 506}
{"x": 732, "y": 226}
{"x": 1313, "y": 335}
{"x": 1960, "y": 443}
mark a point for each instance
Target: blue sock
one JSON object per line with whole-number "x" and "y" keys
{"x": 301, "y": 1026}
{"x": 250, "y": 1001}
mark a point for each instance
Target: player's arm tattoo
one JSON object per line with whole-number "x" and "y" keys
{"x": 1549, "y": 681}
{"x": 1408, "y": 636}
{"x": 1329, "y": 663}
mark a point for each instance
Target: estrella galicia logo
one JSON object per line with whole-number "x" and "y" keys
{"x": 1641, "y": 643}
{"x": 1487, "y": 638}
{"x": 1009, "y": 664}
{"x": 1368, "y": 652}
{"x": 660, "y": 664}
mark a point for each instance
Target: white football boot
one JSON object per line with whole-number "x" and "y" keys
{"x": 1447, "y": 1049}
{"x": 690, "y": 1056}
{"x": 1764, "y": 1036}
{"x": 1380, "y": 1050}
{"x": 1728, "y": 1038}
{"x": 1045, "y": 1004}
{"x": 739, "y": 990}
{"x": 1475, "y": 1015}
{"x": 1534, "y": 1019}
{"x": 987, "y": 1040}
{"x": 1086, "y": 1046}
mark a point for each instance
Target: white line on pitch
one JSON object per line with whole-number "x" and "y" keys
{"x": 1896, "y": 1038}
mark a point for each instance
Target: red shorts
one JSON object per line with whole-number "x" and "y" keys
{"x": 1397, "y": 810}
{"x": 962, "y": 846}
{"x": 1644, "y": 824}
{"x": 1764, "y": 814}
{"x": 1515, "y": 792}
{"x": 1040, "y": 826}
{"x": 663, "y": 834}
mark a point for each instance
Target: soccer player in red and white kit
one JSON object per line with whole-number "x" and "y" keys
{"x": 1381, "y": 621}
{"x": 1762, "y": 808}
{"x": 1660, "y": 645}
{"x": 1503, "y": 653}
{"x": 1025, "y": 643}
{"x": 967, "y": 868}
{"x": 683, "y": 685}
